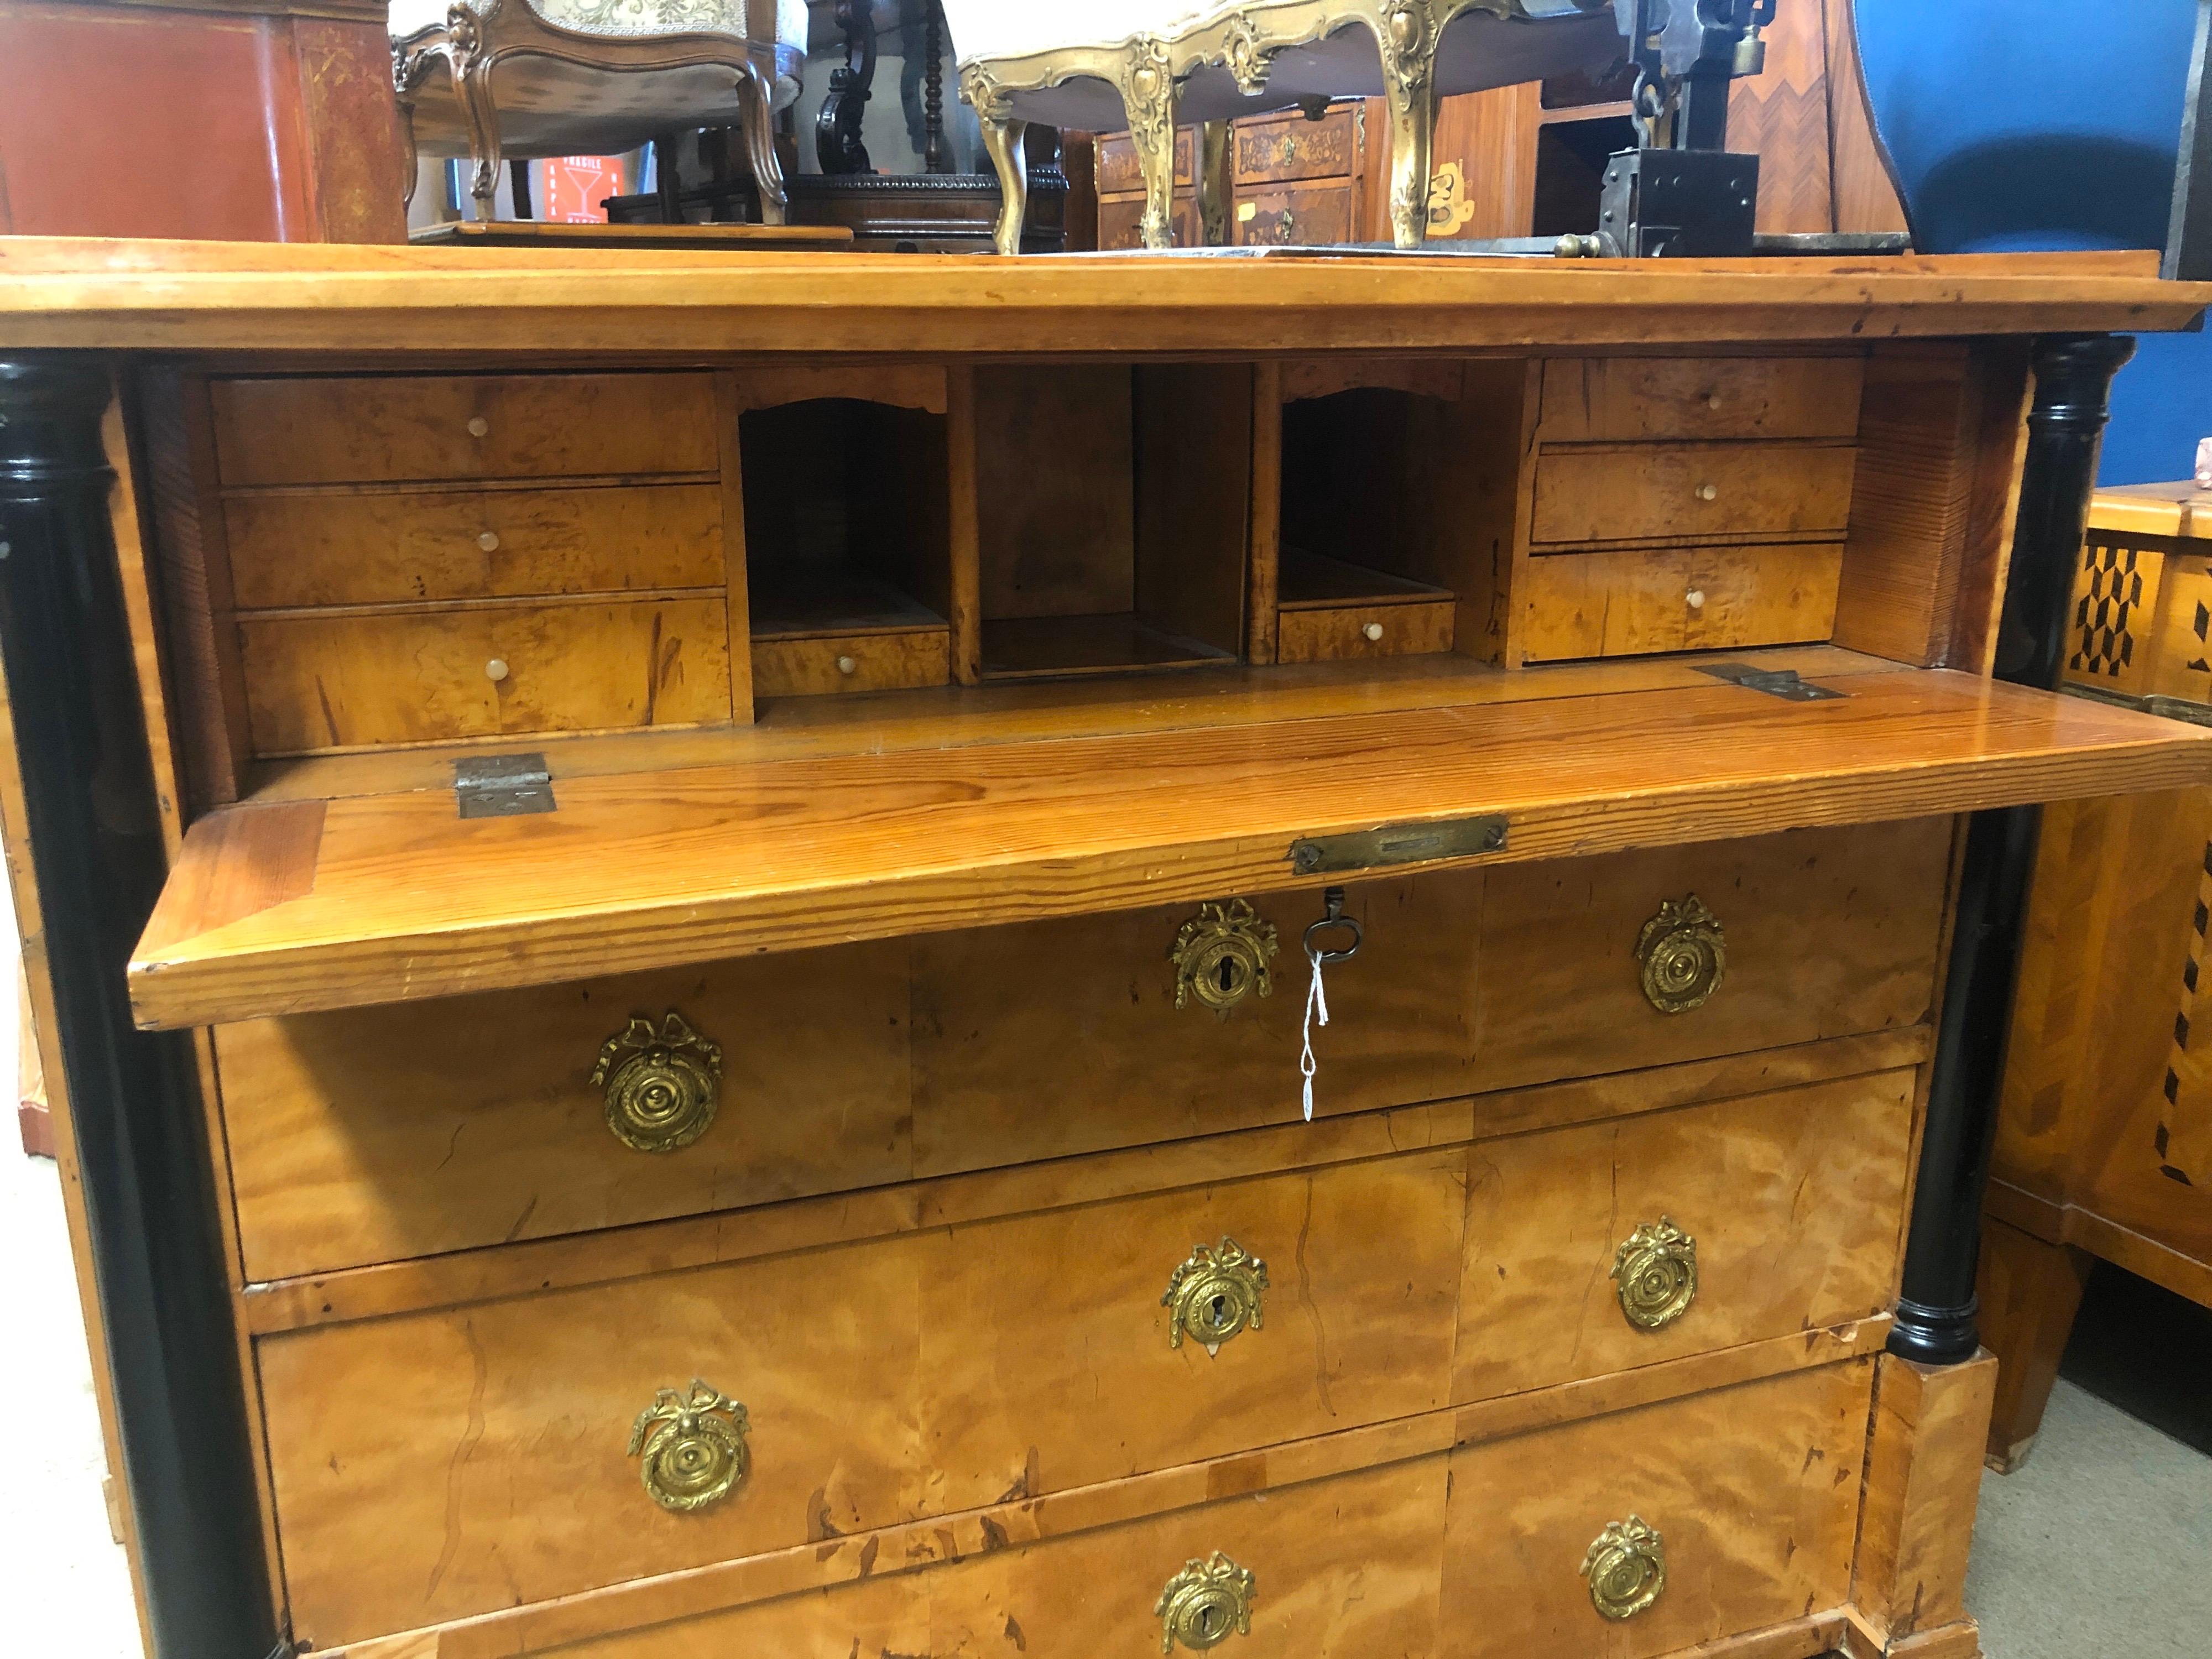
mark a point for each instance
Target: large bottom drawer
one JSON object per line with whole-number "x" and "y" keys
{"x": 1723, "y": 1513}
{"x": 439, "y": 1465}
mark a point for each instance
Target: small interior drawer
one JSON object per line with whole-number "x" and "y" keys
{"x": 387, "y": 429}
{"x": 1269, "y": 152}
{"x": 1345, "y": 632}
{"x": 1122, "y": 222}
{"x": 857, "y": 662}
{"x": 1629, "y": 603}
{"x": 400, "y": 546}
{"x": 1612, "y": 399}
{"x": 345, "y": 679}
{"x": 1308, "y": 214}
{"x": 1638, "y": 492}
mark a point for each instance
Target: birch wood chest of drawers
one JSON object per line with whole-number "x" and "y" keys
{"x": 1115, "y": 958}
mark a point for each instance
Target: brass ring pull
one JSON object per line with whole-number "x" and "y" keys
{"x": 1221, "y": 956}
{"x": 1684, "y": 951}
{"x": 1205, "y": 1604}
{"x": 1626, "y": 1568}
{"x": 662, "y": 1087}
{"x": 693, "y": 1448}
{"x": 1214, "y": 1294}
{"x": 1656, "y": 1270}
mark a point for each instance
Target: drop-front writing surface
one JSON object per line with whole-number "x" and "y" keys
{"x": 798, "y": 1146}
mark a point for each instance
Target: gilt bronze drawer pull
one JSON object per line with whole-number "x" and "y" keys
{"x": 1657, "y": 1272}
{"x": 662, "y": 1086}
{"x": 1685, "y": 955}
{"x": 693, "y": 1445}
{"x": 1214, "y": 1294}
{"x": 1205, "y": 1604}
{"x": 1626, "y": 1568}
{"x": 1221, "y": 956}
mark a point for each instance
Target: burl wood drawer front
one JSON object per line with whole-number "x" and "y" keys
{"x": 348, "y": 680}
{"x": 1051, "y": 1038}
{"x": 438, "y": 1465}
{"x": 1309, "y": 214}
{"x": 1600, "y": 1248}
{"x": 1348, "y": 633}
{"x": 1064, "y": 1349}
{"x": 397, "y": 546}
{"x": 1753, "y": 1491}
{"x": 1297, "y": 148}
{"x": 1626, "y": 605}
{"x": 1597, "y": 399}
{"x": 1346, "y": 1568}
{"x": 1821, "y": 934}
{"x": 1636, "y": 492}
{"x": 857, "y": 662}
{"x": 377, "y": 429}
{"x": 377, "y": 1134}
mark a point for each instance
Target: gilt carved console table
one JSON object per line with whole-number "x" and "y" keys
{"x": 1288, "y": 985}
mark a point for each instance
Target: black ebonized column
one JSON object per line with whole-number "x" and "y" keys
{"x": 2066, "y": 429}
{"x": 98, "y": 864}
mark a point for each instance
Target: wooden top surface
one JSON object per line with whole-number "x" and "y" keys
{"x": 277, "y": 298}
{"x": 609, "y": 239}
{"x": 2157, "y": 509}
{"x": 283, "y": 906}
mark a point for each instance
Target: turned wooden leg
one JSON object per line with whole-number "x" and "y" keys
{"x": 1213, "y": 183}
{"x": 1148, "y": 97}
{"x": 757, "y": 102}
{"x": 1002, "y": 136}
{"x": 2029, "y": 1292}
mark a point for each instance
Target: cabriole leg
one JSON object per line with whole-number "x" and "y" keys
{"x": 1148, "y": 97}
{"x": 757, "y": 104}
{"x": 1002, "y": 136}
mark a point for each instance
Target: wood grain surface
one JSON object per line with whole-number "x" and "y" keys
{"x": 1620, "y": 604}
{"x": 1636, "y": 492}
{"x": 1612, "y": 399}
{"x": 323, "y": 548}
{"x": 366, "y": 429}
{"x": 408, "y": 901}
{"x": 1755, "y": 1491}
{"x": 171, "y": 295}
{"x": 1924, "y": 1483}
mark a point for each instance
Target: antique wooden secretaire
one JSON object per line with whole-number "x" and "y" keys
{"x": 723, "y": 863}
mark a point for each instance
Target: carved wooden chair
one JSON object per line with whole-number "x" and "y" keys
{"x": 1148, "y": 64}
{"x": 497, "y": 80}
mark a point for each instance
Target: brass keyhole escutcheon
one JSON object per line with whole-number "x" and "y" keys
{"x": 1205, "y": 1604}
{"x": 1221, "y": 956}
{"x": 1656, "y": 1271}
{"x": 693, "y": 1446}
{"x": 1685, "y": 955}
{"x": 662, "y": 1086}
{"x": 1214, "y": 1294}
{"x": 1626, "y": 1568}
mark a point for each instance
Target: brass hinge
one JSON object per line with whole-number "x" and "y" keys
{"x": 1398, "y": 843}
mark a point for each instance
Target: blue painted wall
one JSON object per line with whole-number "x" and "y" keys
{"x": 2019, "y": 127}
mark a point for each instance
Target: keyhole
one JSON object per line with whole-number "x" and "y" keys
{"x": 1218, "y": 1312}
{"x": 1228, "y": 973}
{"x": 1210, "y": 1620}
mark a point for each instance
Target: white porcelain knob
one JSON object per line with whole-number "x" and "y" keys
{"x": 1695, "y": 599}
{"x": 489, "y": 541}
{"x": 1373, "y": 630}
{"x": 478, "y": 426}
{"x": 495, "y": 670}
{"x": 847, "y": 666}
{"x": 1708, "y": 492}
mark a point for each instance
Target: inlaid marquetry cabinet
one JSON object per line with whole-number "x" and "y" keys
{"x": 742, "y": 900}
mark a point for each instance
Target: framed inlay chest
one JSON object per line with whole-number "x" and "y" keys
{"x": 824, "y": 955}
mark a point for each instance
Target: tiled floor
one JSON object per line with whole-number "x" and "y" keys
{"x": 2100, "y": 1548}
